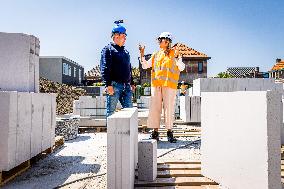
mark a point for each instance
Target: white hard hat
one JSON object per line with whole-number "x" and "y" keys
{"x": 166, "y": 35}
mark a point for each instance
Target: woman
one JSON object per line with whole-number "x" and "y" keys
{"x": 164, "y": 80}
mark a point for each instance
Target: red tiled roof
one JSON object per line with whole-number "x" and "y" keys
{"x": 189, "y": 52}
{"x": 95, "y": 72}
{"x": 278, "y": 66}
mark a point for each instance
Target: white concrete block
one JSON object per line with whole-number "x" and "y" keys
{"x": 53, "y": 119}
{"x": 76, "y": 107}
{"x": 8, "y": 127}
{"x": 36, "y": 124}
{"x": 190, "y": 108}
{"x": 147, "y": 160}
{"x": 46, "y": 121}
{"x": 241, "y": 138}
{"x": 87, "y": 105}
{"x": 233, "y": 84}
{"x": 145, "y": 100}
{"x": 20, "y": 63}
{"x": 92, "y": 122}
{"x": 23, "y": 127}
{"x": 121, "y": 141}
{"x": 101, "y": 107}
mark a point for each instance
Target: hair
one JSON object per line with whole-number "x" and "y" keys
{"x": 167, "y": 51}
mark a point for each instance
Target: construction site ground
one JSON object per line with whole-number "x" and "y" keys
{"x": 81, "y": 163}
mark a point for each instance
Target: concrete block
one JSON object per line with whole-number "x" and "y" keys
{"x": 53, "y": 119}
{"x": 101, "y": 107}
{"x": 143, "y": 117}
{"x": 20, "y": 62}
{"x": 87, "y": 105}
{"x": 76, "y": 107}
{"x": 121, "y": 148}
{"x": 145, "y": 100}
{"x": 23, "y": 127}
{"x": 91, "y": 122}
{"x": 233, "y": 84}
{"x": 8, "y": 127}
{"x": 241, "y": 138}
{"x": 190, "y": 108}
{"x": 46, "y": 121}
{"x": 147, "y": 160}
{"x": 36, "y": 124}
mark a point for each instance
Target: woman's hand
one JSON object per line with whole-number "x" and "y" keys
{"x": 177, "y": 53}
{"x": 142, "y": 50}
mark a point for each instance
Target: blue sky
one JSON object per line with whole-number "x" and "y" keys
{"x": 232, "y": 32}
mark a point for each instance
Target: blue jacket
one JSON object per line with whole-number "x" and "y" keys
{"x": 115, "y": 65}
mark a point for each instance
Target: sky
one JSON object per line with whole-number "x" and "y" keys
{"x": 231, "y": 32}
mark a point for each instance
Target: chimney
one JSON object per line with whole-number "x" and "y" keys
{"x": 278, "y": 60}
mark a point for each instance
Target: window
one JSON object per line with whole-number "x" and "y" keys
{"x": 80, "y": 75}
{"x": 69, "y": 71}
{"x": 74, "y": 72}
{"x": 65, "y": 69}
{"x": 200, "y": 66}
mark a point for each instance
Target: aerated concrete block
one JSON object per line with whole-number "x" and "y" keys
{"x": 24, "y": 127}
{"x": 190, "y": 108}
{"x": 101, "y": 107}
{"x": 8, "y": 127}
{"x": 87, "y": 106}
{"x": 76, "y": 107}
{"x": 122, "y": 144}
{"x": 53, "y": 119}
{"x": 20, "y": 62}
{"x": 46, "y": 121}
{"x": 36, "y": 124}
{"x": 233, "y": 84}
{"x": 147, "y": 160}
{"x": 241, "y": 138}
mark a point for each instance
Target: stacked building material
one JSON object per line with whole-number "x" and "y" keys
{"x": 65, "y": 95}
{"x": 67, "y": 127}
{"x": 27, "y": 118}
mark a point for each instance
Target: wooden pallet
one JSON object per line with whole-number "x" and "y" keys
{"x": 92, "y": 129}
{"x": 6, "y": 176}
{"x": 178, "y": 175}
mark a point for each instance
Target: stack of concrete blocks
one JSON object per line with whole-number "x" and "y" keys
{"x": 19, "y": 60}
{"x": 190, "y": 109}
{"x": 122, "y": 148}
{"x": 27, "y": 126}
{"x": 147, "y": 160}
{"x": 241, "y": 138}
{"x": 27, "y": 120}
{"x": 145, "y": 102}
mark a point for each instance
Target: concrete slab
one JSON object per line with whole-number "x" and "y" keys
{"x": 121, "y": 139}
{"x": 147, "y": 160}
{"x": 241, "y": 138}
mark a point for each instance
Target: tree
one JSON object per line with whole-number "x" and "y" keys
{"x": 136, "y": 74}
{"x": 224, "y": 75}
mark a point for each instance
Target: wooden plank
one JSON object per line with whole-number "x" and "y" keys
{"x": 179, "y": 181}
{"x": 179, "y": 167}
{"x": 6, "y": 176}
{"x": 183, "y": 187}
{"x": 179, "y": 173}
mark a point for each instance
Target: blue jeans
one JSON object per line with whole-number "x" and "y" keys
{"x": 122, "y": 93}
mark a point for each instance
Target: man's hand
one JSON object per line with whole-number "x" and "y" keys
{"x": 110, "y": 90}
{"x": 133, "y": 88}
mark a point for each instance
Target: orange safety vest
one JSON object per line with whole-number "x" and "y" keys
{"x": 165, "y": 72}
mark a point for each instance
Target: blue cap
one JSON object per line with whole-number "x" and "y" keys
{"x": 119, "y": 28}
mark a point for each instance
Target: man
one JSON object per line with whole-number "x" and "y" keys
{"x": 183, "y": 88}
{"x": 116, "y": 70}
